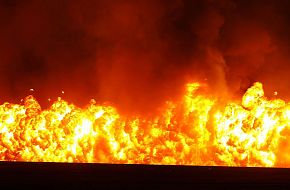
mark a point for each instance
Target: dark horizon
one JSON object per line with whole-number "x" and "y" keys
{"x": 132, "y": 176}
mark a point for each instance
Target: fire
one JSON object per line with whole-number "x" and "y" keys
{"x": 194, "y": 130}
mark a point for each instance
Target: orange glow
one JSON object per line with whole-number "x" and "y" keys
{"x": 194, "y": 130}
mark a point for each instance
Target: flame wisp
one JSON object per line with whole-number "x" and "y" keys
{"x": 195, "y": 130}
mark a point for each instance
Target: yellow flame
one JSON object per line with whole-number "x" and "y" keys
{"x": 192, "y": 131}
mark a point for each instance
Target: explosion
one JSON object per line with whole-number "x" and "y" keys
{"x": 197, "y": 129}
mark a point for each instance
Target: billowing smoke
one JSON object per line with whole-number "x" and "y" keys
{"x": 138, "y": 53}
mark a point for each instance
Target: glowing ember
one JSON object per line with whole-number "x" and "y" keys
{"x": 191, "y": 131}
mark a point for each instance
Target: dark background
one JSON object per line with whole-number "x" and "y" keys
{"x": 138, "y": 53}
{"x": 109, "y": 176}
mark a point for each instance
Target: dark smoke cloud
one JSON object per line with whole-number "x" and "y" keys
{"x": 138, "y": 53}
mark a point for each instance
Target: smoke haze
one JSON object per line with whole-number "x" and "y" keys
{"x": 136, "y": 53}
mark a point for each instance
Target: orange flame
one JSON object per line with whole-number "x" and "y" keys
{"x": 191, "y": 131}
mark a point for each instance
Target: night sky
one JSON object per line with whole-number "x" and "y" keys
{"x": 138, "y": 53}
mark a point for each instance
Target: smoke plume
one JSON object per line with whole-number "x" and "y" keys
{"x": 138, "y": 53}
